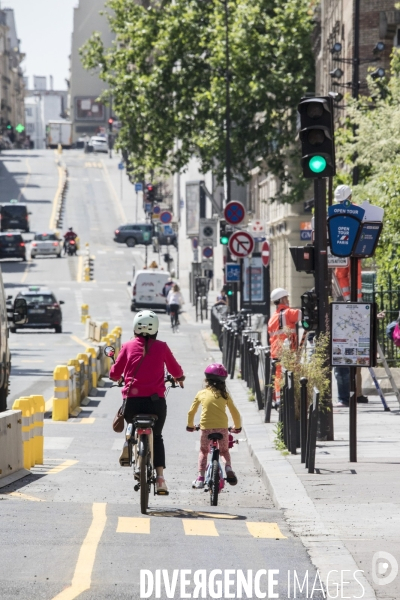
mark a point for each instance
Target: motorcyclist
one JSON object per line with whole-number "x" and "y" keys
{"x": 69, "y": 235}
{"x": 141, "y": 362}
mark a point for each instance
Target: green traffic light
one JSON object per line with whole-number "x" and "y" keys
{"x": 224, "y": 240}
{"x": 306, "y": 324}
{"x": 317, "y": 164}
{"x": 9, "y": 126}
{"x": 230, "y": 292}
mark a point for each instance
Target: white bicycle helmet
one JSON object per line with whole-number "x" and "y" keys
{"x": 145, "y": 322}
{"x": 342, "y": 192}
{"x": 278, "y": 293}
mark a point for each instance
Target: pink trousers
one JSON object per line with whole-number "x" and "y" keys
{"x": 205, "y": 447}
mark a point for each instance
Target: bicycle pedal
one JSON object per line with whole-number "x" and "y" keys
{"x": 162, "y": 493}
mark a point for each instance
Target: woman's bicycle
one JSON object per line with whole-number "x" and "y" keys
{"x": 214, "y": 478}
{"x": 174, "y": 314}
{"x": 139, "y": 435}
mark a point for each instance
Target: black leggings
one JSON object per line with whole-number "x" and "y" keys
{"x": 136, "y": 406}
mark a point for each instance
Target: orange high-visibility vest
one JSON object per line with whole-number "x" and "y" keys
{"x": 284, "y": 318}
{"x": 343, "y": 277}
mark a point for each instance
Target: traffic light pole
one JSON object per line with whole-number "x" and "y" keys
{"x": 321, "y": 286}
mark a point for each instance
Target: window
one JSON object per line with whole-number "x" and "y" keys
{"x": 28, "y": 112}
{"x": 30, "y": 128}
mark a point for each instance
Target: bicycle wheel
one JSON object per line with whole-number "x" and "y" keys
{"x": 214, "y": 488}
{"x": 144, "y": 486}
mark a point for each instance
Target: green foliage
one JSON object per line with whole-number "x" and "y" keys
{"x": 377, "y": 145}
{"x": 166, "y": 72}
{"x": 278, "y": 439}
{"x": 312, "y": 365}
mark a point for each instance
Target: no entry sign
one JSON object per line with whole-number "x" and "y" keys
{"x": 265, "y": 254}
{"x": 234, "y": 212}
{"x": 241, "y": 244}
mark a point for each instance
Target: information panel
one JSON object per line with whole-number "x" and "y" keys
{"x": 353, "y": 339}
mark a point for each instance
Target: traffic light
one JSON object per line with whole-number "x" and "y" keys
{"x": 309, "y": 309}
{"x": 110, "y": 124}
{"x": 224, "y": 233}
{"x": 150, "y": 192}
{"x": 317, "y": 137}
{"x": 229, "y": 289}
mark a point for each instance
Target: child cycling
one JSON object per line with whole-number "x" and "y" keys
{"x": 214, "y": 400}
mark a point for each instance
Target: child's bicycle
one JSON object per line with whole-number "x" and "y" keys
{"x": 214, "y": 478}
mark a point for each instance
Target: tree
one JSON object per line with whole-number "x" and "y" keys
{"x": 166, "y": 72}
{"x": 376, "y": 145}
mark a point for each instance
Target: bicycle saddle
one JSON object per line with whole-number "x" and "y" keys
{"x": 215, "y": 436}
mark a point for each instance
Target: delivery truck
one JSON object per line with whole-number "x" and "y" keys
{"x": 59, "y": 132}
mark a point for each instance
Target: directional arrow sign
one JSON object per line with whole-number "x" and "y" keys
{"x": 241, "y": 244}
{"x": 265, "y": 254}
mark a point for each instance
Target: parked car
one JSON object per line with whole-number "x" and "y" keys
{"x": 44, "y": 310}
{"x": 134, "y": 234}
{"x": 14, "y": 215}
{"x": 12, "y": 245}
{"x": 147, "y": 287}
{"x": 99, "y": 144}
{"x": 47, "y": 244}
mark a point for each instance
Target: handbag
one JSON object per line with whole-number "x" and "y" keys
{"x": 119, "y": 421}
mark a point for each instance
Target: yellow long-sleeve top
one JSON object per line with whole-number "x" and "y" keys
{"x": 213, "y": 410}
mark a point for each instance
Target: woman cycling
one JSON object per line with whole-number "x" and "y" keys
{"x": 175, "y": 301}
{"x": 141, "y": 362}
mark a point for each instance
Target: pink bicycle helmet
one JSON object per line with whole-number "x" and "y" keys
{"x": 216, "y": 372}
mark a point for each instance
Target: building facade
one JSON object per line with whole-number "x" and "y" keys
{"x": 12, "y": 111}
{"x": 87, "y": 114}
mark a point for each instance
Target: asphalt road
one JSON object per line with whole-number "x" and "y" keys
{"x": 73, "y": 528}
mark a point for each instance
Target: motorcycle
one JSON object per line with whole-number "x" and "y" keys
{"x": 70, "y": 247}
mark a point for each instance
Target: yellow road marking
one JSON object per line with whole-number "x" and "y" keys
{"x": 82, "y": 578}
{"x": 62, "y": 467}
{"x": 133, "y": 525}
{"x": 28, "y": 176}
{"x": 199, "y": 527}
{"x": 86, "y": 421}
{"x": 265, "y": 530}
{"x": 79, "y": 341}
{"x": 113, "y": 193}
{"x": 25, "y": 273}
{"x": 53, "y": 220}
{"x": 25, "y": 497}
{"x": 79, "y": 275}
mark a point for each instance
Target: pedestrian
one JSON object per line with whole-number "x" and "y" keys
{"x": 141, "y": 362}
{"x": 214, "y": 400}
{"x": 165, "y": 291}
{"x": 175, "y": 301}
{"x": 222, "y": 298}
{"x": 342, "y": 274}
{"x": 282, "y": 328}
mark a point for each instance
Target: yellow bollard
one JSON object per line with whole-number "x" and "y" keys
{"x": 61, "y": 393}
{"x": 76, "y": 401}
{"x": 93, "y": 360}
{"x": 83, "y": 356}
{"x": 38, "y": 440}
{"x": 104, "y": 329}
{"x": 24, "y": 406}
{"x": 84, "y": 312}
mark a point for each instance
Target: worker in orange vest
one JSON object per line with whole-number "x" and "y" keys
{"x": 282, "y": 327}
{"x": 342, "y": 374}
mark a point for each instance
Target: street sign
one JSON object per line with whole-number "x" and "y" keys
{"x": 306, "y": 234}
{"x": 138, "y": 187}
{"x": 232, "y": 273}
{"x": 156, "y": 210}
{"x": 256, "y": 227}
{"x": 147, "y": 207}
{"x": 265, "y": 252}
{"x": 259, "y": 239}
{"x": 208, "y": 232}
{"x": 336, "y": 261}
{"x": 353, "y": 334}
{"x": 121, "y": 166}
{"x": 241, "y": 244}
{"x": 208, "y": 252}
{"x": 166, "y": 217}
{"x": 234, "y": 212}
{"x": 367, "y": 240}
{"x": 195, "y": 243}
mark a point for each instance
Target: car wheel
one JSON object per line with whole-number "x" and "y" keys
{"x": 32, "y": 256}
{"x": 23, "y": 259}
{"x": 133, "y": 309}
{"x": 58, "y": 329}
{"x": 130, "y": 242}
{"x": 13, "y": 330}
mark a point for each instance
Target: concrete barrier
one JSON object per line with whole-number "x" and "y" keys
{"x": 11, "y": 447}
{"x": 93, "y": 363}
{"x": 38, "y": 423}
{"x": 84, "y": 312}
{"x": 85, "y": 358}
{"x": 23, "y": 406}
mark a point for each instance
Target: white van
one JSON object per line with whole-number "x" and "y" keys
{"x": 147, "y": 287}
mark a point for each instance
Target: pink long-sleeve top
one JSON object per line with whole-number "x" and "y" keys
{"x": 149, "y": 376}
